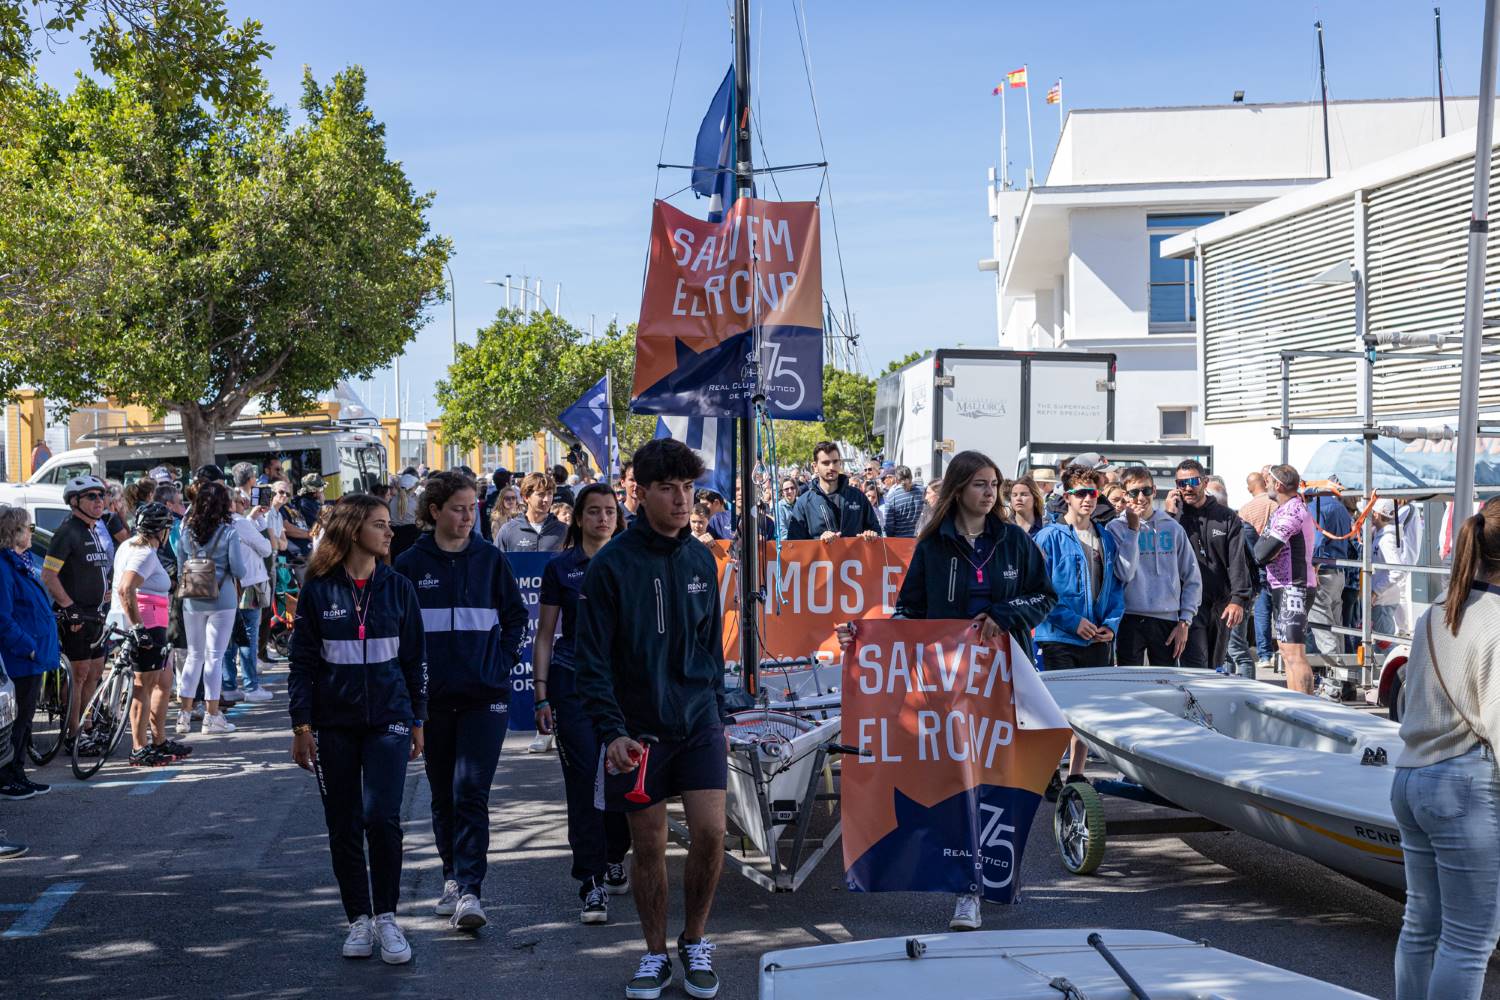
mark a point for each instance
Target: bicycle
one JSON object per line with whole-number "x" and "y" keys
{"x": 49, "y": 721}
{"x": 107, "y": 714}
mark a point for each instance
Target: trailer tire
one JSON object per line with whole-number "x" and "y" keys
{"x": 1079, "y": 827}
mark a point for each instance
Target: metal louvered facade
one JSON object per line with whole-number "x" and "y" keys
{"x": 1259, "y": 300}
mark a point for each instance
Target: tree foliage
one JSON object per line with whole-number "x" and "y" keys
{"x": 848, "y": 416}
{"x": 523, "y": 371}
{"x": 187, "y": 248}
{"x": 900, "y": 363}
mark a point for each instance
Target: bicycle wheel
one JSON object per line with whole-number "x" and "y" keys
{"x": 124, "y": 694}
{"x": 100, "y": 717}
{"x": 49, "y": 721}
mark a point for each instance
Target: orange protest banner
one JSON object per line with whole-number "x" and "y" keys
{"x": 959, "y": 739}
{"x": 812, "y": 587}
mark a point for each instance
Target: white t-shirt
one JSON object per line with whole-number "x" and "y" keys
{"x": 141, "y": 560}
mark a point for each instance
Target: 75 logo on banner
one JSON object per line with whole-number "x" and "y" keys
{"x": 993, "y": 837}
{"x": 784, "y": 386}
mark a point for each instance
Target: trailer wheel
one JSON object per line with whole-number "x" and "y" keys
{"x": 1397, "y": 698}
{"x": 1078, "y": 827}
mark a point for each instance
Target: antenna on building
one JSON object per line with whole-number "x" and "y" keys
{"x": 1437, "y": 21}
{"x": 1323, "y": 84}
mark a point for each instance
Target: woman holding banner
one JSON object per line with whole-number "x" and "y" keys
{"x": 599, "y": 839}
{"x": 971, "y": 564}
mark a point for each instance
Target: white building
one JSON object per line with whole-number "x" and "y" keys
{"x": 1077, "y": 259}
{"x": 1376, "y": 250}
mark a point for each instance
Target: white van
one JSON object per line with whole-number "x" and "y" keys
{"x": 350, "y": 457}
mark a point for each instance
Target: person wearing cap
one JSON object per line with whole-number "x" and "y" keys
{"x": 310, "y": 498}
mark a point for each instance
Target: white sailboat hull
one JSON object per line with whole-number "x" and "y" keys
{"x": 1021, "y": 965}
{"x": 1276, "y": 765}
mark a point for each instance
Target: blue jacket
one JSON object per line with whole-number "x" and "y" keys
{"x": 845, "y": 512}
{"x": 937, "y": 581}
{"x": 474, "y": 618}
{"x": 28, "y": 631}
{"x": 1068, "y": 566}
{"x": 337, "y": 679}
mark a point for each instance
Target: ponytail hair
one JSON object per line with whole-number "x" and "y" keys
{"x": 1476, "y": 554}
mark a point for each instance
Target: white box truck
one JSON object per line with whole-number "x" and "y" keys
{"x": 994, "y": 401}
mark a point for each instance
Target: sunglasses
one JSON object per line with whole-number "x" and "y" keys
{"x": 1084, "y": 493}
{"x": 1137, "y": 492}
{"x": 1191, "y": 483}
{"x": 96, "y": 495}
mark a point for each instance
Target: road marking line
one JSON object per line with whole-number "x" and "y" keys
{"x": 39, "y": 915}
{"x": 150, "y": 783}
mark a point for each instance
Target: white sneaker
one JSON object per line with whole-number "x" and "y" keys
{"x": 540, "y": 743}
{"x": 448, "y": 901}
{"x": 965, "y": 913}
{"x": 184, "y": 723}
{"x": 258, "y": 694}
{"x": 1263, "y": 664}
{"x": 231, "y": 697}
{"x": 199, "y": 710}
{"x": 217, "y": 724}
{"x": 393, "y": 947}
{"x": 361, "y": 940}
{"x": 469, "y": 914}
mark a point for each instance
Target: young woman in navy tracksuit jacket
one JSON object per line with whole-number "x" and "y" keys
{"x": 475, "y": 623}
{"x": 357, "y": 690}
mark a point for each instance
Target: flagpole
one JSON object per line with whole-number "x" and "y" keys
{"x": 609, "y": 432}
{"x": 749, "y": 554}
{"x": 1059, "y": 108}
{"x": 1030, "y": 147}
{"x": 1004, "y": 153}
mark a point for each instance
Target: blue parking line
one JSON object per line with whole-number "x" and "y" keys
{"x": 37, "y": 917}
{"x": 152, "y": 781}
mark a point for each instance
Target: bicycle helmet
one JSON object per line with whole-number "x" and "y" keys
{"x": 151, "y": 518}
{"x": 82, "y": 484}
{"x": 210, "y": 473}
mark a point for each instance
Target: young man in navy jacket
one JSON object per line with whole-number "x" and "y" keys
{"x": 832, "y": 507}
{"x": 475, "y": 623}
{"x": 650, "y": 661}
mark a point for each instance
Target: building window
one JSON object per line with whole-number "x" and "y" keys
{"x": 1175, "y": 422}
{"x": 1173, "y": 304}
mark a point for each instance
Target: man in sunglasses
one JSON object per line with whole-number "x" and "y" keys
{"x": 1215, "y": 533}
{"x": 1162, "y": 583}
{"x": 76, "y": 575}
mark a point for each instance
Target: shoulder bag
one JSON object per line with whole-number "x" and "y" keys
{"x": 1437, "y": 671}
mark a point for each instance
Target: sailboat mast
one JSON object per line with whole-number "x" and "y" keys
{"x": 749, "y": 555}
{"x": 1437, "y": 20}
{"x": 1323, "y": 86}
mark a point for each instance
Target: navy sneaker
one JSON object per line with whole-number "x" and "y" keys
{"x": 16, "y": 791}
{"x": 37, "y": 787}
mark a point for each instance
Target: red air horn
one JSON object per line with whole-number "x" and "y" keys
{"x": 638, "y": 793}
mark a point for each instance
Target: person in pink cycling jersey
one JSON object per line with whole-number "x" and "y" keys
{"x": 1285, "y": 549}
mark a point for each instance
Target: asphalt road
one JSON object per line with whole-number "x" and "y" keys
{"x": 212, "y": 879}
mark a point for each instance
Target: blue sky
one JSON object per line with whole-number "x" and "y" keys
{"x": 538, "y": 124}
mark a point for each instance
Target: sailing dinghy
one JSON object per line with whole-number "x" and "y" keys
{"x": 1032, "y": 965}
{"x": 1307, "y": 775}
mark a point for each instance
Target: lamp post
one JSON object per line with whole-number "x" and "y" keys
{"x": 453, "y": 300}
{"x": 541, "y": 302}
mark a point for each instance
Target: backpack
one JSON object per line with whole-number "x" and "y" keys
{"x": 198, "y": 576}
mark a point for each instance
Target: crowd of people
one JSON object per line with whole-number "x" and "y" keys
{"x": 410, "y": 622}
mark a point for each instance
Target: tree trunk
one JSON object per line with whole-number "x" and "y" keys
{"x": 199, "y": 430}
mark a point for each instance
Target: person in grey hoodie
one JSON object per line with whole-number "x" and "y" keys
{"x": 1162, "y": 582}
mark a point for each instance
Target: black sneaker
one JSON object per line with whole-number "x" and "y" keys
{"x": 697, "y": 957}
{"x": 90, "y": 746}
{"x": 147, "y": 757}
{"x": 16, "y": 791}
{"x": 616, "y": 881}
{"x": 595, "y": 903}
{"x": 37, "y": 786}
{"x": 175, "y": 749}
{"x": 653, "y": 976}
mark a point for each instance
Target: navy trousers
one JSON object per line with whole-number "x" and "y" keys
{"x": 597, "y": 838}
{"x": 462, "y": 749}
{"x": 361, "y": 777}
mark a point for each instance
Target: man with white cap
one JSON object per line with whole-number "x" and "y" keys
{"x": 1391, "y": 612}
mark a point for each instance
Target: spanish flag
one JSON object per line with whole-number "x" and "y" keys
{"x": 1054, "y": 93}
{"x": 1016, "y": 77}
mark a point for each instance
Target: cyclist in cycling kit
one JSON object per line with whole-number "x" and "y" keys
{"x": 1285, "y": 549}
{"x": 142, "y": 596}
{"x": 76, "y": 575}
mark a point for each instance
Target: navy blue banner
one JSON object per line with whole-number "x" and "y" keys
{"x": 528, "y": 568}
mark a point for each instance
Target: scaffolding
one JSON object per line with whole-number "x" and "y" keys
{"x": 1361, "y": 669}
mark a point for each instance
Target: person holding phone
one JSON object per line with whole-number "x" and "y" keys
{"x": 357, "y": 693}
{"x": 1162, "y": 583}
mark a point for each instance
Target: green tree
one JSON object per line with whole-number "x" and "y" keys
{"x": 848, "y": 416}
{"x": 901, "y": 363}
{"x": 523, "y": 371}
{"x": 226, "y": 255}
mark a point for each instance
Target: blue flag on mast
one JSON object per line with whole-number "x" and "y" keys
{"x": 712, "y": 176}
{"x": 713, "y": 440}
{"x": 592, "y": 421}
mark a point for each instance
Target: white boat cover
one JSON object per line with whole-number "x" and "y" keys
{"x": 1022, "y": 965}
